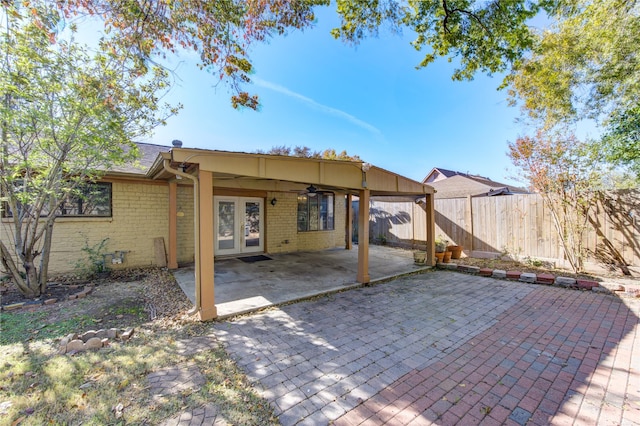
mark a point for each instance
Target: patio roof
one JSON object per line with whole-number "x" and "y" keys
{"x": 285, "y": 173}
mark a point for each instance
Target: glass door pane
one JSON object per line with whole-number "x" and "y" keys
{"x": 226, "y": 225}
{"x": 252, "y": 225}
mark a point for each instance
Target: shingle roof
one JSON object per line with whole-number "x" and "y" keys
{"x": 148, "y": 154}
{"x": 463, "y": 185}
{"x": 448, "y": 173}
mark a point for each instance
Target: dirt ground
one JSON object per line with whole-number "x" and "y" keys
{"x": 126, "y": 297}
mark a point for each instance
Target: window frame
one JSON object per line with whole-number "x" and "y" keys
{"x": 316, "y": 212}
{"x": 76, "y": 202}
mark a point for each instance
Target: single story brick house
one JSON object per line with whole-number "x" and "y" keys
{"x": 204, "y": 204}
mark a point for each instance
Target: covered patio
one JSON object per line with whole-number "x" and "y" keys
{"x": 292, "y": 205}
{"x": 243, "y": 287}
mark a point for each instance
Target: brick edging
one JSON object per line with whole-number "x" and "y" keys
{"x": 87, "y": 290}
{"x": 544, "y": 279}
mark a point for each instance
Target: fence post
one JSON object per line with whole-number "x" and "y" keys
{"x": 469, "y": 219}
{"x": 349, "y": 223}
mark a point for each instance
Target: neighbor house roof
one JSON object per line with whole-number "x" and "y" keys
{"x": 453, "y": 184}
{"x": 438, "y": 173}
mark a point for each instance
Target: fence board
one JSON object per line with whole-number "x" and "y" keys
{"x": 519, "y": 224}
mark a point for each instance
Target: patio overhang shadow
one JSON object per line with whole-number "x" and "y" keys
{"x": 282, "y": 278}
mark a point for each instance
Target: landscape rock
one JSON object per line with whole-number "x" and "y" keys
{"x": 486, "y": 272}
{"x": 528, "y": 277}
{"x": 13, "y": 306}
{"x": 565, "y": 281}
{"x": 93, "y": 343}
{"x": 92, "y": 339}
{"x": 469, "y": 269}
{"x": 88, "y": 335}
{"x": 75, "y": 345}
{"x": 513, "y": 275}
{"x": 545, "y": 278}
{"x": 499, "y": 273}
{"x": 586, "y": 284}
{"x": 126, "y": 335}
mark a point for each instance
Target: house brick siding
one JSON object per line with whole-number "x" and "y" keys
{"x": 185, "y": 224}
{"x": 282, "y": 226}
{"x": 139, "y": 214}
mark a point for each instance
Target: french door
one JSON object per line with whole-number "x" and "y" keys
{"x": 238, "y": 225}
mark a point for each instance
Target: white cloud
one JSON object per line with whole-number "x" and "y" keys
{"x": 324, "y": 108}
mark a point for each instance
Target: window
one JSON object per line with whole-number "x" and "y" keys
{"x": 88, "y": 200}
{"x": 315, "y": 212}
{"x": 91, "y": 199}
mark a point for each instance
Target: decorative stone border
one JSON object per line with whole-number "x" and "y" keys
{"x": 545, "y": 279}
{"x": 80, "y": 295}
{"x": 92, "y": 339}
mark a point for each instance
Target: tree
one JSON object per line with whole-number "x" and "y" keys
{"x": 621, "y": 142}
{"x": 66, "y": 115}
{"x": 219, "y": 31}
{"x": 306, "y": 152}
{"x": 487, "y": 36}
{"x": 586, "y": 65}
{"x": 561, "y": 169}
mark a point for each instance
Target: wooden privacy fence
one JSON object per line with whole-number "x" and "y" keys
{"x": 519, "y": 226}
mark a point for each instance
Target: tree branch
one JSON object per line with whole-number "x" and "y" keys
{"x": 448, "y": 12}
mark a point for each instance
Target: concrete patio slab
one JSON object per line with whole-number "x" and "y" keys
{"x": 245, "y": 287}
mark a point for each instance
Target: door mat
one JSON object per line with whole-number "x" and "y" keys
{"x": 251, "y": 259}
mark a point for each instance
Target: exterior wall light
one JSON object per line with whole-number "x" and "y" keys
{"x": 274, "y": 201}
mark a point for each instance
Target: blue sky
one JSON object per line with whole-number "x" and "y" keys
{"x": 369, "y": 100}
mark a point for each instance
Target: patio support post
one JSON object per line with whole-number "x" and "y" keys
{"x": 173, "y": 225}
{"x": 431, "y": 230}
{"x": 205, "y": 210}
{"x": 363, "y": 237}
{"x": 349, "y": 224}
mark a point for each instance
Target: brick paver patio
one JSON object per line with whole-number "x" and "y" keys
{"x": 446, "y": 348}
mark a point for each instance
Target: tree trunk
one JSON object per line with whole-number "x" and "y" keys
{"x": 33, "y": 287}
{"x": 561, "y": 232}
{"x": 9, "y": 263}
{"x": 46, "y": 255}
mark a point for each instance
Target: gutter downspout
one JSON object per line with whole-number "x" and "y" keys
{"x": 196, "y": 222}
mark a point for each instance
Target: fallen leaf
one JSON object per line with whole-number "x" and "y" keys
{"x": 118, "y": 410}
